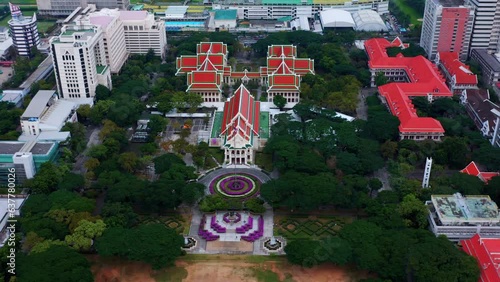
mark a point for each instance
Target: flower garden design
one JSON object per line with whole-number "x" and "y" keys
{"x": 307, "y": 227}
{"x": 235, "y": 186}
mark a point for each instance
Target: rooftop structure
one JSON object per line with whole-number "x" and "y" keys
{"x": 335, "y": 18}
{"x": 229, "y": 14}
{"x": 25, "y": 157}
{"x": 46, "y": 113}
{"x": 207, "y": 70}
{"x": 411, "y": 77}
{"x": 473, "y": 169}
{"x": 176, "y": 12}
{"x": 6, "y": 212}
{"x": 458, "y": 75}
{"x": 495, "y": 140}
{"x": 461, "y": 217}
{"x": 66, "y": 7}
{"x": 479, "y": 107}
{"x": 368, "y": 20}
{"x": 487, "y": 253}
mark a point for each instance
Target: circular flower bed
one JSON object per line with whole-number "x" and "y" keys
{"x": 240, "y": 186}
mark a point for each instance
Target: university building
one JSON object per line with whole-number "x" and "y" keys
{"x": 208, "y": 70}
{"x": 461, "y": 217}
{"x": 458, "y": 75}
{"x": 24, "y": 31}
{"x": 79, "y": 61}
{"x": 410, "y": 77}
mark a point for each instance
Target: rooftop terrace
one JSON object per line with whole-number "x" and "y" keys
{"x": 453, "y": 209}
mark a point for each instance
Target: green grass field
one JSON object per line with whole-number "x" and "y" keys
{"x": 414, "y": 15}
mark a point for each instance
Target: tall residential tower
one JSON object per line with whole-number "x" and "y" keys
{"x": 447, "y": 27}
{"x": 24, "y": 31}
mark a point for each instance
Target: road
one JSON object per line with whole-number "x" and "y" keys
{"x": 93, "y": 138}
{"x": 362, "y": 109}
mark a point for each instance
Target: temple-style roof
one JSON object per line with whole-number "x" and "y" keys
{"x": 487, "y": 253}
{"x": 241, "y": 119}
{"x": 282, "y": 51}
{"x": 212, "y": 47}
{"x": 473, "y": 169}
{"x": 204, "y": 80}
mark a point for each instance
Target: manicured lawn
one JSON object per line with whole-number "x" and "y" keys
{"x": 414, "y": 15}
{"x": 43, "y": 26}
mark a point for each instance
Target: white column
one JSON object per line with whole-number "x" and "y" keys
{"x": 427, "y": 173}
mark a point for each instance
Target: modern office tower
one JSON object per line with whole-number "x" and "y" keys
{"x": 24, "y": 31}
{"x": 486, "y": 30}
{"x": 143, "y": 32}
{"x": 79, "y": 61}
{"x": 115, "y": 48}
{"x": 66, "y": 7}
{"x": 447, "y": 27}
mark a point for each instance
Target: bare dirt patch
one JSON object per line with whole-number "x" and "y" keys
{"x": 241, "y": 246}
{"x": 195, "y": 268}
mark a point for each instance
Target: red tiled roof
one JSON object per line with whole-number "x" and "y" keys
{"x": 454, "y": 67}
{"x": 206, "y": 80}
{"x": 212, "y": 47}
{"x": 282, "y": 50}
{"x": 402, "y": 107}
{"x": 473, "y": 169}
{"x": 487, "y": 253}
{"x": 424, "y": 79}
{"x": 241, "y": 115}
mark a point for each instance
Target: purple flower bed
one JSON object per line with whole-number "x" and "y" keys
{"x": 238, "y": 186}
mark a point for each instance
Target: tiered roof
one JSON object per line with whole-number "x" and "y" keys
{"x": 487, "y": 253}
{"x": 473, "y": 169}
{"x": 461, "y": 72}
{"x": 241, "y": 117}
{"x": 283, "y": 67}
{"x": 424, "y": 79}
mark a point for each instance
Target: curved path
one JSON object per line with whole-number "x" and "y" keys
{"x": 207, "y": 179}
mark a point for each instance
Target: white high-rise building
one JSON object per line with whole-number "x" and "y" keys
{"x": 143, "y": 32}
{"x": 486, "y": 30}
{"x": 24, "y": 31}
{"x": 79, "y": 61}
{"x": 115, "y": 48}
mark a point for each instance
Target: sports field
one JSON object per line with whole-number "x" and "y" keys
{"x": 18, "y": 2}
{"x": 412, "y": 13}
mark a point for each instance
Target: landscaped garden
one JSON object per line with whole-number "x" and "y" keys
{"x": 235, "y": 186}
{"x": 176, "y": 222}
{"x": 308, "y": 227}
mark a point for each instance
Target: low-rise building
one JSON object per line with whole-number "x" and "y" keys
{"x": 487, "y": 253}
{"x": 410, "y": 77}
{"x": 474, "y": 170}
{"x": 224, "y": 19}
{"x": 25, "y": 157}
{"x": 490, "y": 65}
{"x": 9, "y": 206}
{"x": 47, "y": 113}
{"x": 458, "y": 75}
{"x": 461, "y": 217}
{"x": 495, "y": 139}
{"x": 479, "y": 107}
{"x": 241, "y": 128}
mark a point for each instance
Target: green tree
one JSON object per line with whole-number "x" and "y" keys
{"x": 380, "y": 79}
{"x": 413, "y": 211}
{"x": 302, "y": 252}
{"x": 279, "y": 101}
{"x": 118, "y": 215}
{"x": 164, "y": 162}
{"x": 47, "y": 178}
{"x": 153, "y": 243}
{"x": 156, "y": 124}
{"x": 102, "y": 92}
{"x": 57, "y": 263}
{"x": 192, "y": 192}
{"x": 82, "y": 237}
{"x": 128, "y": 161}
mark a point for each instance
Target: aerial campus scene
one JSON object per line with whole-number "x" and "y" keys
{"x": 249, "y": 140}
